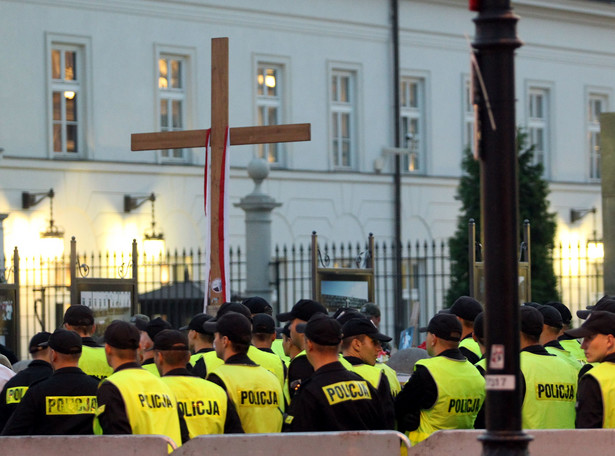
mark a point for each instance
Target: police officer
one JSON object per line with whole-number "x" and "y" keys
{"x": 299, "y": 368}
{"x": 361, "y": 345}
{"x": 466, "y": 308}
{"x": 17, "y": 386}
{"x": 269, "y": 361}
{"x": 205, "y": 406}
{"x": 146, "y": 343}
{"x": 332, "y": 398}
{"x": 93, "y": 361}
{"x": 444, "y": 392}
{"x": 548, "y": 385}
{"x": 255, "y": 391}
{"x": 553, "y": 326}
{"x": 200, "y": 343}
{"x": 568, "y": 343}
{"x": 263, "y": 332}
{"x": 596, "y": 395}
{"x": 132, "y": 400}
{"x": 258, "y": 305}
{"x": 63, "y": 404}
{"x": 479, "y": 337}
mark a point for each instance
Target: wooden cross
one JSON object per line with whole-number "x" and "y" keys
{"x": 219, "y": 124}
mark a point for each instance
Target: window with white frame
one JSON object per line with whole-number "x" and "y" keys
{"x": 172, "y": 100}
{"x": 343, "y": 112}
{"x": 66, "y": 100}
{"x": 269, "y": 107}
{"x": 468, "y": 113}
{"x": 597, "y": 103}
{"x": 412, "y": 104}
{"x": 538, "y": 113}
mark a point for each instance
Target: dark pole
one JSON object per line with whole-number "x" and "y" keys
{"x": 495, "y": 42}
{"x": 401, "y": 317}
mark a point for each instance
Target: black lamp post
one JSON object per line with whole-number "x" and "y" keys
{"x": 495, "y": 43}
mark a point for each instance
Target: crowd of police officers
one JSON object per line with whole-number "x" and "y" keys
{"x": 237, "y": 373}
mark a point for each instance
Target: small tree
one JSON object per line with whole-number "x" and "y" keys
{"x": 533, "y": 206}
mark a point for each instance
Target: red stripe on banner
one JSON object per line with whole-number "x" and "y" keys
{"x": 221, "y": 218}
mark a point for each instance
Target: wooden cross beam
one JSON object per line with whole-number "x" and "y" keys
{"x": 238, "y": 136}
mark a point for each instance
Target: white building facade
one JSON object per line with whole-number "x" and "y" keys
{"x": 79, "y": 76}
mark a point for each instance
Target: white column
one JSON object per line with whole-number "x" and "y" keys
{"x": 258, "y": 207}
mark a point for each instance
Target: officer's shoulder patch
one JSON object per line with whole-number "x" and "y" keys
{"x": 288, "y": 419}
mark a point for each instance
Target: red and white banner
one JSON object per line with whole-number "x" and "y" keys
{"x": 218, "y": 284}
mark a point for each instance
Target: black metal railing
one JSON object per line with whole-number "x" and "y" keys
{"x": 171, "y": 285}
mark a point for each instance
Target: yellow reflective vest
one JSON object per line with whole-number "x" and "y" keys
{"x": 604, "y": 373}
{"x": 202, "y": 403}
{"x": 391, "y": 377}
{"x": 150, "y": 404}
{"x": 370, "y": 373}
{"x": 269, "y": 361}
{"x": 574, "y": 347}
{"x": 151, "y": 368}
{"x": 550, "y": 392}
{"x": 566, "y": 356}
{"x": 278, "y": 349}
{"x": 461, "y": 392}
{"x": 257, "y": 396}
{"x": 93, "y": 362}
{"x": 470, "y": 344}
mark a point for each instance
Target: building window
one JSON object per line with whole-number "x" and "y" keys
{"x": 342, "y": 118}
{"x": 172, "y": 98}
{"x": 596, "y": 104}
{"x": 412, "y": 103}
{"x": 66, "y": 100}
{"x": 538, "y": 125}
{"x": 269, "y": 107}
{"x": 468, "y": 114}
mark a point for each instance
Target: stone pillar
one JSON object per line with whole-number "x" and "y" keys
{"x": 607, "y": 172}
{"x": 258, "y": 206}
{"x": 2, "y": 258}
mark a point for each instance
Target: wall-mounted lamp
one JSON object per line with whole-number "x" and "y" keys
{"x": 153, "y": 242}
{"x": 578, "y": 214}
{"x": 408, "y": 154}
{"x": 53, "y": 236}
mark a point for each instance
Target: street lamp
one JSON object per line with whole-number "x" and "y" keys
{"x": 53, "y": 236}
{"x": 153, "y": 242}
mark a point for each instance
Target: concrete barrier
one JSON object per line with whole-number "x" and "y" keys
{"x": 356, "y": 443}
{"x": 93, "y": 445}
{"x": 546, "y": 442}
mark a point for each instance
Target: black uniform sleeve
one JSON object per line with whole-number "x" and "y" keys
{"x": 6, "y": 410}
{"x": 232, "y": 423}
{"x": 469, "y": 354}
{"x": 24, "y": 417}
{"x": 590, "y": 409}
{"x": 302, "y": 413}
{"x": 113, "y": 420}
{"x": 586, "y": 368}
{"x": 299, "y": 370}
{"x": 217, "y": 380}
{"x": 420, "y": 392}
{"x": 199, "y": 369}
{"x": 183, "y": 427}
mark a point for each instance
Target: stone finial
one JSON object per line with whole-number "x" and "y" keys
{"x": 258, "y": 170}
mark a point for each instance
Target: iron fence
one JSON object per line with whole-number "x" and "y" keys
{"x": 171, "y": 285}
